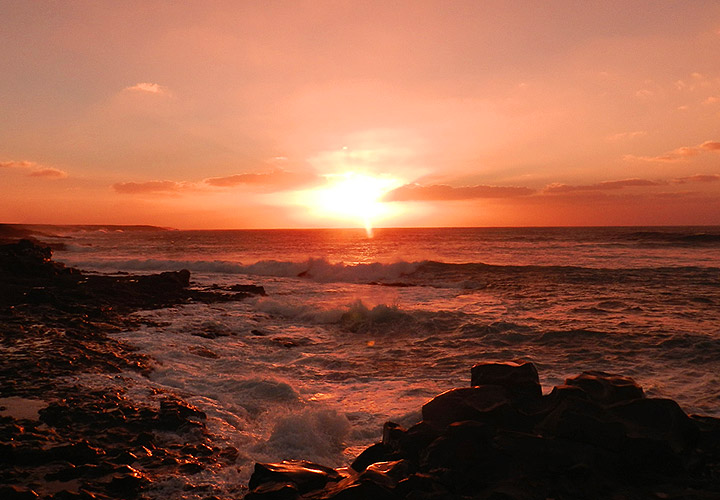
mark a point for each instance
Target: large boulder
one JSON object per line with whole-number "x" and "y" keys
{"x": 606, "y": 388}
{"x": 518, "y": 378}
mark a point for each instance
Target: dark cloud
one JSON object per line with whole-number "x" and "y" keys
{"x": 443, "y": 192}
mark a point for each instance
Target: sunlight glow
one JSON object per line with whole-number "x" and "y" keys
{"x": 355, "y": 197}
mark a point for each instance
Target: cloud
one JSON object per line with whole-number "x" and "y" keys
{"x": 18, "y": 164}
{"x": 625, "y": 135}
{"x": 600, "y": 186}
{"x": 278, "y": 179}
{"x": 710, "y": 146}
{"x": 35, "y": 169}
{"x": 679, "y": 154}
{"x": 151, "y": 88}
{"x": 49, "y": 172}
{"x": 151, "y": 187}
{"x": 443, "y": 192}
{"x": 697, "y": 178}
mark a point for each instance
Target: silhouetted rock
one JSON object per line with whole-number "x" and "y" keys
{"x": 518, "y": 378}
{"x": 595, "y": 437}
{"x": 606, "y": 388}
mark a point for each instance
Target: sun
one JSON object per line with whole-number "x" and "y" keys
{"x": 353, "y": 197}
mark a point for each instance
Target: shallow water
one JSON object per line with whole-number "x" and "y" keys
{"x": 357, "y": 331}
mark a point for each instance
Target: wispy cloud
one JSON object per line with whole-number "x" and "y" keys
{"x": 622, "y": 136}
{"x": 151, "y": 88}
{"x": 697, "y": 178}
{"x": 151, "y": 187}
{"x": 600, "y": 186}
{"x": 277, "y": 179}
{"x": 49, "y": 172}
{"x": 34, "y": 169}
{"x": 444, "y": 192}
{"x": 679, "y": 154}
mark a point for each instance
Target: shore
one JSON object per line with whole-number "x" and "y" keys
{"x": 62, "y": 440}
{"x": 597, "y": 436}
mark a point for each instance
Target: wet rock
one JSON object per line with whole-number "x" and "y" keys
{"x": 377, "y": 452}
{"x": 606, "y": 388}
{"x": 595, "y": 437}
{"x": 274, "y": 491}
{"x": 191, "y": 468}
{"x": 305, "y": 476}
{"x": 518, "y": 378}
{"x": 251, "y": 289}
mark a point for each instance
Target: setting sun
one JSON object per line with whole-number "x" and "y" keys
{"x": 352, "y": 197}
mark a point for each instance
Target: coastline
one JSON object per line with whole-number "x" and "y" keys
{"x": 84, "y": 442}
{"x": 61, "y": 439}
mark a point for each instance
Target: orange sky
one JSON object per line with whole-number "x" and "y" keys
{"x": 226, "y": 114}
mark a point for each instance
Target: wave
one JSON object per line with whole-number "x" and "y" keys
{"x": 319, "y": 270}
{"x": 675, "y": 238}
{"x": 467, "y": 276}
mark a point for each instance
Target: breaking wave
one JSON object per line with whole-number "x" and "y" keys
{"x": 468, "y": 276}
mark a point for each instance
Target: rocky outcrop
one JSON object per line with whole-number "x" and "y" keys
{"x": 597, "y": 436}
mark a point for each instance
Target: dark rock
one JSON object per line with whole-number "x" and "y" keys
{"x": 14, "y": 492}
{"x": 518, "y": 378}
{"x": 582, "y": 420}
{"x": 274, "y": 491}
{"x": 251, "y": 289}
{"x": 462, "y": 444}
{"x": 306, "y": 476}
{"x": 606, "y": 388}
{"x": 77, "y": 453}
{"x": 416, "y": 439}
{"x": 658, "y": 419}
{"x": 595, "y": 437}
{"x": 392, "y": 435}
{"x": 377, "y": 452}
{"x": 191, "y": 468}
{"x": 461, "y": 404}
{"x": 368, "y": 484}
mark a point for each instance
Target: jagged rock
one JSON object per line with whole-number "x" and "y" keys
{"x": 606, "y": 388}
{"x": 518, "y": 378}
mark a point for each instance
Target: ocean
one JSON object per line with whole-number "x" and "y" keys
{"x": 355, "y": 331}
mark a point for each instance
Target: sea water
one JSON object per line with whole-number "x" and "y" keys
{"x": 355, "y": 331}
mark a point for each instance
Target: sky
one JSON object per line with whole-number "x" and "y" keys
{"x": 280, "y": 114}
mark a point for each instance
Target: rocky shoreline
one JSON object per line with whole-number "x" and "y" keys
{"x": 595, "y": 437}
{"x": 60, "y": 439}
